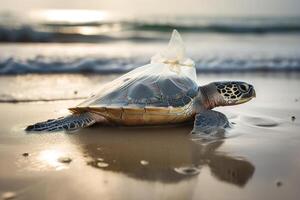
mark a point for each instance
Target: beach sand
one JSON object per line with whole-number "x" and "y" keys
{"x": 258, "y": 159}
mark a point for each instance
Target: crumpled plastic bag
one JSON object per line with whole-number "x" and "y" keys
{"x": 174, "y": 58}
{"x": 172, "y": 61}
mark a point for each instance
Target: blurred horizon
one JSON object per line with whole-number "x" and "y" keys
{"x": 242, "y": 8}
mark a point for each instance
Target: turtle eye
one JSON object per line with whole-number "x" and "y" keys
{"x": 244, "y": 87}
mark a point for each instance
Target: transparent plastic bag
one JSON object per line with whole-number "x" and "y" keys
{"x": 171, "y": 62}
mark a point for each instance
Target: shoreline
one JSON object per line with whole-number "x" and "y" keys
{"x": 262, "y": 71}
{"x": 258, "y": 159}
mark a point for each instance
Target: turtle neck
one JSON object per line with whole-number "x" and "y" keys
{"x": 209, "y": 97}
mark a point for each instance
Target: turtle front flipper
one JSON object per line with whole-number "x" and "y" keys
{"x": 70, "y": 122}
{"x": 210, "y": 123}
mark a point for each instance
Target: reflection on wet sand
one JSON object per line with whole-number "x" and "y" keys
{"x": 164, "y": 154}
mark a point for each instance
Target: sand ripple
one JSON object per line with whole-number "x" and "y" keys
{"x": 259, "y": 121}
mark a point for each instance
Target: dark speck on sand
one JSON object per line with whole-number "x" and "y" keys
{"x": 278, "y": 183}
{"x": 25, "y": 154}
{"x": 65, "y": 159}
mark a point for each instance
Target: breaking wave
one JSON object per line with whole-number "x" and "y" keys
{"x": 122, "y": 65}
{"x": 104, "y": 31}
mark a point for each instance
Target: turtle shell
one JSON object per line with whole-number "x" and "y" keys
{"x": 156, "y": 93}
{"x": 147, "y": 91}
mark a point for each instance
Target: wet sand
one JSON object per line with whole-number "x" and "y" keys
{"x": 258, "y": 159}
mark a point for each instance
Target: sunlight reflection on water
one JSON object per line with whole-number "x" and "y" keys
{"x": 51, "y": 157}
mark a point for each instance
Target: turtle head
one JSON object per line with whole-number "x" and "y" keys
{"x": 227, "y": 93}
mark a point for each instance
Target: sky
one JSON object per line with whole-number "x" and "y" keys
{"x": 167, "y": 7}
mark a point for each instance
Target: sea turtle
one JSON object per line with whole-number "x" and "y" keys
{"x": 155, "y": 99}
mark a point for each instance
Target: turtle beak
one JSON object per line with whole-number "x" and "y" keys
{"x": 253, "y": 93}
{"x": 248, "y": 96}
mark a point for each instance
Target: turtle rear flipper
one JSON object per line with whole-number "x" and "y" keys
{"x": 70, "y": 122}
{"x": 210, "y": 123}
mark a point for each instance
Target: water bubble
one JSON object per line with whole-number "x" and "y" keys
{"x": 100, "y": 159}
{"x": 64, "y": 159}
{"x": 102, "y": 164}
{"x": 187, "y": 170}
{"x": 144, "y": 162}
{"x": 8, "y": 195}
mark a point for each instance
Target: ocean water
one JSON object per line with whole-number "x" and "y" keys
{"x": 62, "y": 42}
